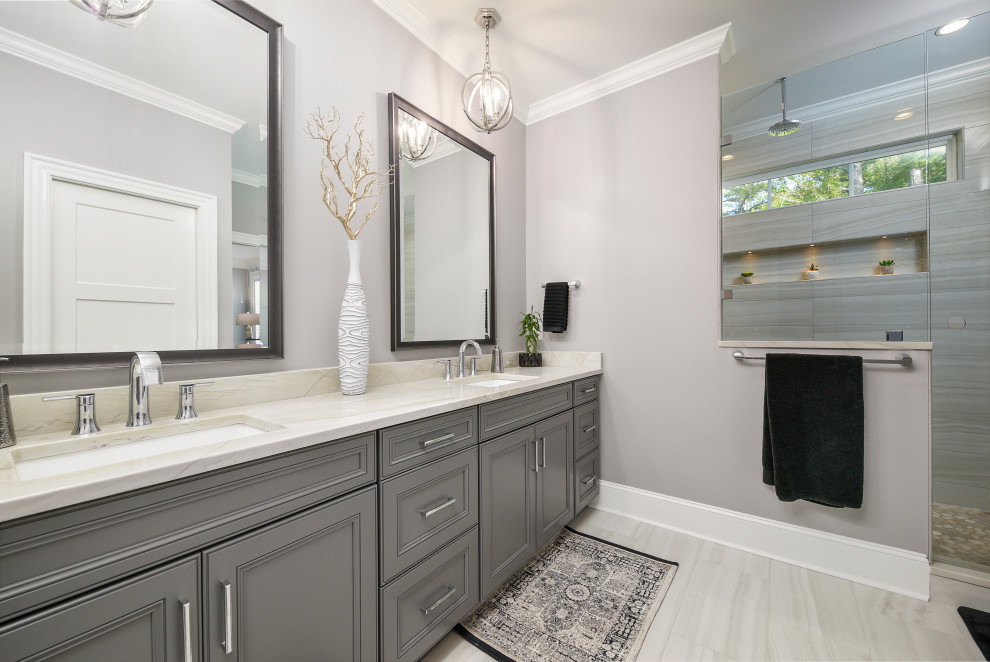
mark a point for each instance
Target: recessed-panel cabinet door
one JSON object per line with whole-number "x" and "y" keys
{"x": 154, "y": 617}
{"x": 554, "y": 480}
{"x": 508, "y": 503}
{"x": 305, "y": 588}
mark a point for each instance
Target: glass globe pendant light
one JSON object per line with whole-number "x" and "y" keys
{"x": 417, "y": 140}
{"x": 126, "y": 13}
{"x": 486, "y": 95}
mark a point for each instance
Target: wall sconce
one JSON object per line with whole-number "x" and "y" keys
{"x": 486, "y": 96}
{"x": 125, "y": 13}
{"x": 248, "y": 320}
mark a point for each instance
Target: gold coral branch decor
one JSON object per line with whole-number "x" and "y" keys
{"x": 351, "y": 169}
{"x": 348, "y": 179}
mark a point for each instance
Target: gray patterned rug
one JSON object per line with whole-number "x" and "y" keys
{"x": 580, "y": 599}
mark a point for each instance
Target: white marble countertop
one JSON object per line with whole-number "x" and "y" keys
{"x": 289, "y": 425}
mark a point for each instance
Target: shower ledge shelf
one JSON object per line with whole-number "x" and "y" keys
{"x": 827, "y": 344}
{"x": 821, "y": 280}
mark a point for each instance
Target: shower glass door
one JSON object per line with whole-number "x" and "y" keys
{"x": 958, "y": 74}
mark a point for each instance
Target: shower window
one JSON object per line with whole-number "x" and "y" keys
{"x": 898, "y": 166}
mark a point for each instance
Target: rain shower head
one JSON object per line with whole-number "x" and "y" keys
{"x": 784, "y": 126}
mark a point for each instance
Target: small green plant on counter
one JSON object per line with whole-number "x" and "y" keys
{"x": 886, "y": 263}
{"x": 813, "y": 267}
{"x": 531, "y": 324}
{"x": 746, "y": 274}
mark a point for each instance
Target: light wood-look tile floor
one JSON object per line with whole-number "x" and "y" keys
{"x": 725, "y": 604}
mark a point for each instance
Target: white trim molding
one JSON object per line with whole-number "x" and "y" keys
{"x": 889, "y": 568}
{"x": 674, "y": 57}
{"x": 48, "y": 56}
{"x": 39, "y": 174}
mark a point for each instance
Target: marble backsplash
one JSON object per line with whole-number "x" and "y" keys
{"x": 33, "y": 417}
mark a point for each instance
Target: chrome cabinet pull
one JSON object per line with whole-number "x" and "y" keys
{"x": 590, "y": 389}
{"x": 536, "y": 455}
{"x": 186, "y": 631}
{"x": 543, "y": 453}
{"x": 426, "y": 610}
{"x": 429, "y": 442}
{"x": 589, "y": 480}
{"x": 590, "y": 428}
{"x": 434, "y": 511}
{"x": 228, "y": 619}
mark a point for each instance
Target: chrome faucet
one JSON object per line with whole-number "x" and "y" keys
{"x": 474, "y": 361}
{"x": 146, "y": 370}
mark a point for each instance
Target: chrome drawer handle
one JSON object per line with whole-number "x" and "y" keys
{"x": 590, "y": 428}
{"x": 430, "y": 442}
{"x": 536, "y": 455}
{"x": 426, "y": 610}
{"x": 589, "y": 480}
{"x": 543, "y": 454}
{"x": 434, "y": 511}
{"x": 186, "y": 631}
{"x": 590, "y": 389}
{"x": 228, "y": 622}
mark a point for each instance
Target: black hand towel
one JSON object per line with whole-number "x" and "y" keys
{"x": 555, "y": 307}
{"x": 813, "y": 428}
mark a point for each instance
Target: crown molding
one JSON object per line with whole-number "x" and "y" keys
{"x": 674, "y": 57}
{"x": 859, "y": 101}
{"x": 248, "y": 178}
{"x": 47, "y": 56}
{"x": 427, "y": 31}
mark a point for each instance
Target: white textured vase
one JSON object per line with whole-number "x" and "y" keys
{"x": 354, "y": 331}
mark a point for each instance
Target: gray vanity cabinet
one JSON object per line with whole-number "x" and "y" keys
{"x": 508, "y": 506}
{"x": 154, "y": 617}
{"x": 555, "y": 477}
{"x": 304, "y": 588}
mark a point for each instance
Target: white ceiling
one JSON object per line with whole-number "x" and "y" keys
{"x": 548, "y": 46}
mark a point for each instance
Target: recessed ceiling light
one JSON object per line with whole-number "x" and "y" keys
{"x": 727, "y": 157}
{"x": 750, "y": 252}
{"x": 884, "y": 237}
{"x": 903, "y": 116}
{"x": 811, "y": 244}
{"x": 952, "y": 26}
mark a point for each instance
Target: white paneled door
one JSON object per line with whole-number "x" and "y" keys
{"x": 124, "y": 271}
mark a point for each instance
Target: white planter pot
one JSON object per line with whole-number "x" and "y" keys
{"x": 747, "y": 280}
{"x": 354, "y": 330}
{"x": 886, "y": 269}
{"x": 811, "y": 275}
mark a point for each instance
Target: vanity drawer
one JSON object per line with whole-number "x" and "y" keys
{"x": 587, "y": 427}
{"x": 586, "y": 390}
{"x": 53, "y": 556}
{"x": 586, "y": 474}
{"x": 425, "y": 509}
{"x": 513, "y": 413}
{"x": 412, "y": 444}
{"x": 419, "y": 608}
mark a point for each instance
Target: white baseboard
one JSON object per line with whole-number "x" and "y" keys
{"x": 881, "y": 566}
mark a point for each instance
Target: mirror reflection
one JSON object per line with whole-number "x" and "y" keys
{"x": 442, "y": 232}
{"x": 135, "y": 187}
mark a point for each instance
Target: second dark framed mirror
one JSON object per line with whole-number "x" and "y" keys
{"x": 443, "y": 232}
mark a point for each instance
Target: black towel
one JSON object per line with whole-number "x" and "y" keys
{"x": 813, "y": 428}
{"x": 555, "y": 307}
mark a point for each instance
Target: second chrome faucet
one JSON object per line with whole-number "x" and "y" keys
{"x": 146, "y": 370}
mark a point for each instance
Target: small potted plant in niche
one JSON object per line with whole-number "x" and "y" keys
{"x": 747, "y": 277}
{"x": 886, "y": 266}
{"x": 812, "y": 272}
{"x": 531, "y": 324}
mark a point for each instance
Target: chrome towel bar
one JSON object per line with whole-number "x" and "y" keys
{"x": 900, "y": 359}
{"x": 576, "y": 284}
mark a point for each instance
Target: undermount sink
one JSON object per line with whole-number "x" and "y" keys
{"x": 501, "y": 381}
{"x": 77, "y": 454}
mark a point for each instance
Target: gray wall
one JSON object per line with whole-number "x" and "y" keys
{"x": 350, "y": 53}
{"x": 632, "y": 210}
{"x": 58, "y": 116}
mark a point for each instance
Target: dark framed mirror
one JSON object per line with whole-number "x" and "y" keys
{"x": 142, "y": 193}
{"x": 443, "y": 232}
